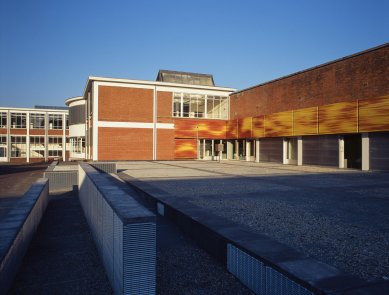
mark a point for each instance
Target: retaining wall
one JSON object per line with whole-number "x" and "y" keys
{"x": 123, "y": 230}
{"x": 17, "y": 229}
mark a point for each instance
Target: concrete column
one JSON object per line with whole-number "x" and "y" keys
{"x": 285, "y": 151}
{"x": 248, "y": 150}
{"x": 236, "y": 154}
{"x": 257, "y": 150}
{"x": 341, "y": 152}
{"x": 46, "y": 137}
{"x": 230, "y": 154}
{"x": 213, "y": 150}
{"x": 64, "y": 137}
{"x": 365, "y": 152}
{"x": 28, "y": 137}
{"x": 299, "y": 151}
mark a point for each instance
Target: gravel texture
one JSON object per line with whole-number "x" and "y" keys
{"x": 340, "y": 217}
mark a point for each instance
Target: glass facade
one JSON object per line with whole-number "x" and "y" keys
{"x": 18, "y": 120}
{"x": 3, "y": 119}
{"x": 55, "y": 121}
{"x": 200, "y": 106}
{"x": 18, "y": 147}
{"x": 37, "y": 121}
{"x": 37, "y": 146}
{"x": 55, "y": 146}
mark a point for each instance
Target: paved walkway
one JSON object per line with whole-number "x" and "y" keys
{"x": 15, "y": 180}
{"x": 62, "y": 257}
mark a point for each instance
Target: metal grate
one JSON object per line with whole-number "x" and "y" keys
{"x": 139, "y": 250}
{"x": 260, "y": 278}
{"x": 127, "y": 250}
{"x": 61, "y": 180}
{"x": 105, "y": 166}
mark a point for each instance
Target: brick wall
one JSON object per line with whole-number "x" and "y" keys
{"x": 362, "y": 76}
{"x": 125, "y": 144}
{"x": 165, "y": 144}
{"x": 123, "y": 104}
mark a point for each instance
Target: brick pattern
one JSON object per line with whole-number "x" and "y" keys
{"x": 165, "y": 144}
{"x": 38, "y": 132}
{"x": 125, "y": 144}
{"x": 124, "y": 104}
{"x": 18, "y": 131}
{"x": 363, "y": 76}
{"x": 164, "y": 105}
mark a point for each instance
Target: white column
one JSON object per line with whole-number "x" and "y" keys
{"x": 28, "y": 136}
{"x": 236, "y": 154}
{"x": 64, "y": 137}
{"x": 230, "y": 154}
{"x": 213, "y": 149}
{"x": 248, "y": 150}
{"x": 95, "y": 118}
{"x": 285, "y": 151}
{"x": 257, "y": 150}
{"x": 299, "y": 151}
{"x": 46, "y": 137}
{"x": 365, "y": 152}
{"x": 341, "y": 152}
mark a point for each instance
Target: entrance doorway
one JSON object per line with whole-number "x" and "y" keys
{"x": 291, "y": 151}
{"x": 353, "y": 151}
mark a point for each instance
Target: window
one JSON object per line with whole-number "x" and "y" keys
{"x": 200, "y": 106}
{"x": 3, "y": 119}
{"x": 18, "y": 147}
{"x": 37, "y": 121}
{"x": 177, "y": 105}
{"x": 55, "y": 121}
{"x": 55, "y": 146}
{"x": 3, "y": 146}
{"x": 37, "y": 146}
{"x": 77, "y": 145}
{"x": 18, "y": 120}
{"x": 67, "y": 121}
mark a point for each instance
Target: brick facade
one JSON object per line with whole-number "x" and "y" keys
{"x": 361, "y": 76}
{"x": 125, "y": 104}
{"x": 125, "y": 144}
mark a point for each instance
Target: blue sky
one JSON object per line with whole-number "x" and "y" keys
{"x": 49, "y": 48}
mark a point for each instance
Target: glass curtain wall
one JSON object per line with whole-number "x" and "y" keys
{"x": 200, "y": 106}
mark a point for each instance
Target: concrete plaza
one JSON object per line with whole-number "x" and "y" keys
{"x": 340, "y": 217}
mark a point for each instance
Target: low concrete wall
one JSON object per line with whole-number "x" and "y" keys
{"x": 107, "y": 167}
{"x": 17, "y": 229}
{"x": 61, "y": 178}
{"x": 123, "y": 230}
{"x": 262, "y": 264}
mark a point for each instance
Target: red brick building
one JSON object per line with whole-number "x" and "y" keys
{"x": 334, "y": 114}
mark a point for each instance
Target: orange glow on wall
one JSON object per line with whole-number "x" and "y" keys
{"x": 185, "y": 128}
{"x": 212, "y": 129}
{"x": 258, "y": 126}
{"x": 232, "y": 129}
{"x": 185, "y": 149}
{"x": 339, "y": 117}
{"x": 244, "y": 127}
{"x": 374, "y": 114}
{"x": 279, "y": 124}
{"x": 305, "y": 121}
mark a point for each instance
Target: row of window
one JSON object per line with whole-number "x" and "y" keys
{"x": 37, "y": 146}
{"x": 37, "y": 121}
{"x": 200, "y": 106}
{"x": 77, "y": 145}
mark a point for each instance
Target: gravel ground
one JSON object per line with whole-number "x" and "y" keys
{"x": 340, "y": 217}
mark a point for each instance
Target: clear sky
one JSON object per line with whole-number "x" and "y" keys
{"x": 49, "y": 48}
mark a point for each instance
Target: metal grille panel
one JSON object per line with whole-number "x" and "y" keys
{"x": 139, "y": 258}
{"x": 61, "y": 180}
{"x": 260, "y": 278}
